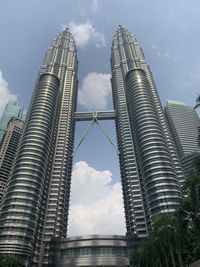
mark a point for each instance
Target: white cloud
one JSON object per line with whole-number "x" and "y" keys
{"x": 5, "y": 94}
{"x": 96, "y": 204}
{"x": 89, "y": 179}
{"x": 95, "y": 91}
{"x": 85, "y": 33}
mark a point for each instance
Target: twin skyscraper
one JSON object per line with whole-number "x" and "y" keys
{"x": 36, "y": 203}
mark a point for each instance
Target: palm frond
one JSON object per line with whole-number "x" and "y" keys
{"x": 197, "y": 102}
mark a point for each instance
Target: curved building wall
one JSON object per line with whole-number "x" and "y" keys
{"x": 8, "y": 150}
{"x": 126, "y": 54}
{"x": 92, "y": 250}
{"x": 36, "y": 204}
{"x": 61, "y": 58}
{"x": 22, "y": 201}
{"x": 132, "y": 191}
{"x": 154, "y": 161}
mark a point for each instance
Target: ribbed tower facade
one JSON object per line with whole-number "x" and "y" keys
{"x": 8, "y": 149}
{"x": 34, "y": 211}
{"x": 150, "y": 169}
{"x": 35, "y": 206}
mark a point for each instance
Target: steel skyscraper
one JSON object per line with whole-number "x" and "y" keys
{"x": 184, "y": 124}
{"x": 35, "y": 207}
{"x": 150, "y": 169}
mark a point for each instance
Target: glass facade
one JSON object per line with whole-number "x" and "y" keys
{"x": 13, "y": 109}
{"x": 184, "y": 124}
{"x": 95, "y": 251}
{"x": 8, "y": 150}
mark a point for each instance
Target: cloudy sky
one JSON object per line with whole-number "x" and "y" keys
{"x": 169, "y": 33}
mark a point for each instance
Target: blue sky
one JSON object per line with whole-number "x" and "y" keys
{"x": 169, "y": 34}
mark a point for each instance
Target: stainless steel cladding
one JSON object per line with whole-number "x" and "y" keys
{"x": 91, "y": 250}
{"x": 35, "y": 207}
{"x": 8, "y": 150}
{"x": 154, "y": 161}
{"x": 150, "y": 169}
{"x": 36, "y": 203}
{"x": 22, "y": 202}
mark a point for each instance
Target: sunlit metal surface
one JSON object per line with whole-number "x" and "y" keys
{"x": 91, "y": 250}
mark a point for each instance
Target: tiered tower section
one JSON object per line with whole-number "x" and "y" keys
{"x": 150, "y": 170}
{"x": 35, "y": 207}
{"x": 61, "y": 58}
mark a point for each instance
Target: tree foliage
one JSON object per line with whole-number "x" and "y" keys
{"x": 175, "y": 238}
{"x": 197, "y": 102}
{"x": 10, "y": 261}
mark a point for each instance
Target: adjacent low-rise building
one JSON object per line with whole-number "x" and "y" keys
{"x": 91, "y": 250}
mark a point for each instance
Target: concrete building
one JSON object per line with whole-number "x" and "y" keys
{"x": 184, "y": 124}
{"x": 8, "y": 150}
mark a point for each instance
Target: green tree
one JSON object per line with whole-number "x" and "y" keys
{"x": 165, "y": 231}
{"x": 191, "y": 203}
{"x": 197, "y": 102}
{"x": 10, "y": 261}
{"x": 175, "y": 238}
